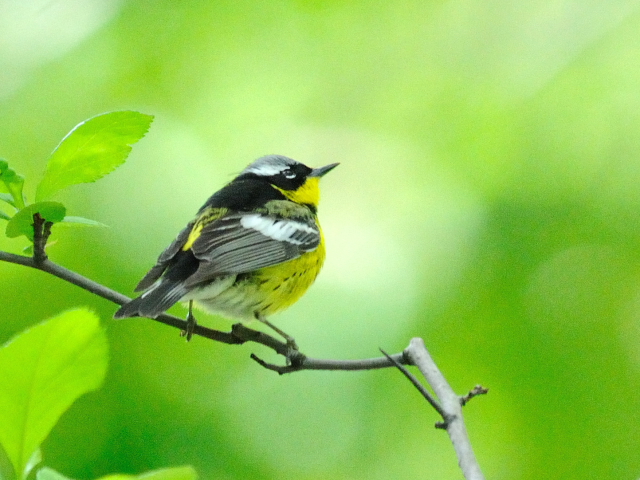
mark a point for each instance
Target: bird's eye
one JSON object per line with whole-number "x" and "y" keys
{"x": 288, "y": 173}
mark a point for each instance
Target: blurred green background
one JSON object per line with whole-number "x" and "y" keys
{"x": 487, "y": 200}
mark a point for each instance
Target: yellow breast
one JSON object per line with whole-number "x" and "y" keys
{"x": 284, "y": 284}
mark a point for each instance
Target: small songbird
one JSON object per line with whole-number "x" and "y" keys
{"x": 252, "y": 250}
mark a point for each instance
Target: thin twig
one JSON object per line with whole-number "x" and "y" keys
{"x": 416, "y": 383}
{"x": 474, "y": 392}
{"x": 300, "y": 362}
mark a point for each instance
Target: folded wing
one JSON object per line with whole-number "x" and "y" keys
{"x": 240, "y": 243}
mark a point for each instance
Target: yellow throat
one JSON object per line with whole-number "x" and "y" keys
{"x": 307, "y": 194}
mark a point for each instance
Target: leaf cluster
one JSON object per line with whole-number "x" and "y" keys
{"x": 91, "y": 150}
{"x": 44, "y": 369}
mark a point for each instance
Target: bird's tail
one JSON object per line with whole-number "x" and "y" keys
{"x": 154, "y": 302}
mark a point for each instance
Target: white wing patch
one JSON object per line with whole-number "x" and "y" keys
{"x": 278, "y": 229}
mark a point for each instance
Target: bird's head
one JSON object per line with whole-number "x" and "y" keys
{"x": 296, "y": 181}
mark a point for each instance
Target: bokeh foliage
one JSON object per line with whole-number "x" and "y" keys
{"x": 487, "y": 200}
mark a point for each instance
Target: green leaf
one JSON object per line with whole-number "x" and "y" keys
{"x": 4, "y": 216}
{"x": 87, "y": 222}
{"x": 11, "y": 183}
{"x": 47, "y": 473}
{"x": 35, "y": 459}
{"x": 7, "y": 197}
{"x": 22, "y": 222}
{"x": 176, "y": 473}
{"x": 6, "y": 469}
{"x": 42, "y": 372}
{"x": 92, "y": 149}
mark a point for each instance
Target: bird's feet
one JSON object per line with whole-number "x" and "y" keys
{"x": 291, "y": 342}
{"x": 191, "y": 324}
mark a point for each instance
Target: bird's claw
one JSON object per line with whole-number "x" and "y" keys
{"x": 191, "y": 326}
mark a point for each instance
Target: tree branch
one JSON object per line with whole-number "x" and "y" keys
{"x": 451, "y": 403}
{"x": 238, "y": 335}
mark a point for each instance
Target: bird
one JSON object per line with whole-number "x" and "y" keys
{"x": 252, "y": 250}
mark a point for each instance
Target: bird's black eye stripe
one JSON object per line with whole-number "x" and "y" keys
{"x": 287, "y": 177}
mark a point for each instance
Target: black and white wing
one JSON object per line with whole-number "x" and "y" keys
{"x": 244, "y": 242}
{"x": 165, "y": 259}
{"x": 231, "y": 244}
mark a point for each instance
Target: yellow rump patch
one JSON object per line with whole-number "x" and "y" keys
{"x": 193, "y": 236}
{"x": 208, "y": 216}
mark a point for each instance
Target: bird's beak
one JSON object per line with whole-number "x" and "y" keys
{"x": 320, "y": 172}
